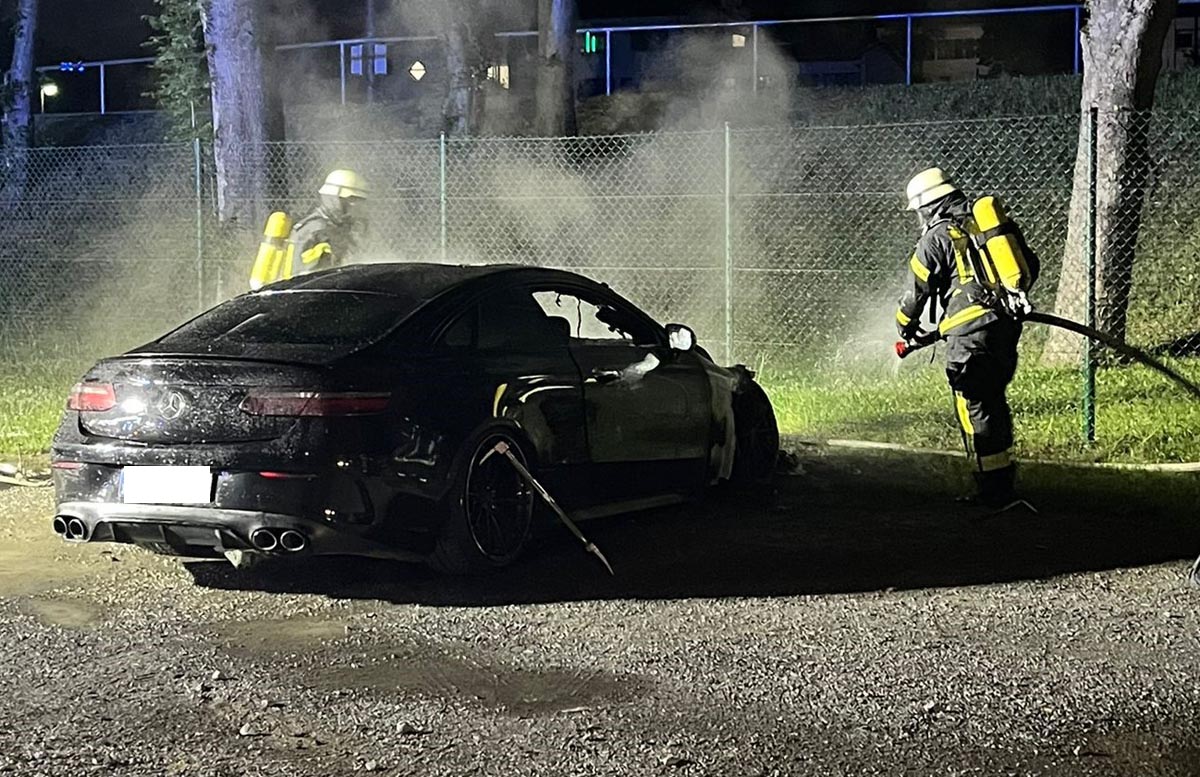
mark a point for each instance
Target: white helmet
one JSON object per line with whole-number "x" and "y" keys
{"x": 928, "y": 186}
{"x": 344, "y": 183}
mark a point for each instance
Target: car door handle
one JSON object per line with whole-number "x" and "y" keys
{"x": 605, "y": 376}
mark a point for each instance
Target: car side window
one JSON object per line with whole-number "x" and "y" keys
{"x": 510, "y": 319}
{"x": 595, "y": 321}
{"x": 461, "y": 333}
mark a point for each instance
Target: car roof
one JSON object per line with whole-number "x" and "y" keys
{"x": 416, "y": 280}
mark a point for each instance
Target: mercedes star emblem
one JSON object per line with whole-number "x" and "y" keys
{"x": 172, "y": 405}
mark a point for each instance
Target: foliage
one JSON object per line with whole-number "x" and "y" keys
{"x": 878, "y": 104}
{"x": 181, "y": 71}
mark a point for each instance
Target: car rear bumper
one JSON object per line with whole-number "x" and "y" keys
{"x": 207, "y": 532}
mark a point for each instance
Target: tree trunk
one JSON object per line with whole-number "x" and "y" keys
{"x": 18, "y": 107}
{"x": 244, "y": 115}
{"x": 456, "y": 110}
{"x": 1122, "y": 55}
{"x": 462, "y": 110}
{"x": 556, "y": 74}
{"x": 369, "y": 52}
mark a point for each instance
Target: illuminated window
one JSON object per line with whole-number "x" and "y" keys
{"x": 417, "y": 70}
{"x": 499, "y": 74}
{"x": 376, "y": 56}
{"x": 739, "y": 41}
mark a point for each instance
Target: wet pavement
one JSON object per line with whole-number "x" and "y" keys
{"x": 848, "y": 622}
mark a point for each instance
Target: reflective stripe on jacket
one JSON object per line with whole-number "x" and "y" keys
{"x": 942, "y": 269}
{"x": 320, "y": 244}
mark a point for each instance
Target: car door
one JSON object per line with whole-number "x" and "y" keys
{"x": 501, "y": 358}
{"x": 647, "y": 407}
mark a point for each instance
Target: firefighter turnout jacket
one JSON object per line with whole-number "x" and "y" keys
{"x": 316, "y": 242}
{"x": 956, "y": 279}
{"x": 942, "y": 277}
{"x": 320, "y": 243}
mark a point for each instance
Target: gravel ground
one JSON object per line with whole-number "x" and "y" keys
{"x": 843, "y": 625}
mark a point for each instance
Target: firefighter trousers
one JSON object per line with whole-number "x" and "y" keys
{"x": 979, "y": 367}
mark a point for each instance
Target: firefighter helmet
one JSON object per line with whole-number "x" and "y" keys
{"x": 928, "y": 186}
{"x": 344, "y": 183}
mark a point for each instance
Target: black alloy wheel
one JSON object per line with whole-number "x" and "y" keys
{"x": 497, "y": 502}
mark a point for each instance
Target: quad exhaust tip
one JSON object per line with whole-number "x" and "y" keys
{"x": 76, "y": 530}
{"x": 60, "y": 525}
{"x": 292, "y": 541}
{"x": 264, "y": 539}
{"x": 267, "y": 540}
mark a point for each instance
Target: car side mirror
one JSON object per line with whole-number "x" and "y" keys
{"x": 680, "y": 337}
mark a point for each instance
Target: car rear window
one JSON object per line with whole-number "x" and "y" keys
{"x": 299, "y": 317}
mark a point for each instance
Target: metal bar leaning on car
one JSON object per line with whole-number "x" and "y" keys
{"x": 503, "y": 449}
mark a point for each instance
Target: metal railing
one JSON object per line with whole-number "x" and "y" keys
{"x": 908, "y": 19}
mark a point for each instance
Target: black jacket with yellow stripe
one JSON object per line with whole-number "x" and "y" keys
{"x": 941, "y": 269}
{"x": 321, "y": 243}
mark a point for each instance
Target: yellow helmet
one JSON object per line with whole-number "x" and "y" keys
{"x": 344, "y": 183}
{"x": 928, "y": 186}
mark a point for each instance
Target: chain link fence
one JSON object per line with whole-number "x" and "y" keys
{"x": 785, "y": 248}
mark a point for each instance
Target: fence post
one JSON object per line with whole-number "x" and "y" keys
{"x": 1089, "y": 355}
{"x": 442, "y": 189}
{"x": 197, "y": 165}
{"x": 728, "y": 250}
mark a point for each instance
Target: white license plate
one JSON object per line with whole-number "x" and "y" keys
{"x": 166, "y": 485}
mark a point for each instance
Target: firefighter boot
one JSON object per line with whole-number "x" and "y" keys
{"x": 995, "y": 490}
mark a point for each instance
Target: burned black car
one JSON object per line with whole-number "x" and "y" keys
{"x": 354, "y": 411}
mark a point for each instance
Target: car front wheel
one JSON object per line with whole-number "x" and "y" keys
{"x": 757, "y": 437}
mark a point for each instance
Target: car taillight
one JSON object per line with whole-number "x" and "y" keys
{"x": 92, "y": 397}
{"x": 314, "y": 403}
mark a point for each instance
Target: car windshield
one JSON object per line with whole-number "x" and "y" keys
{"x": 299, "y": 317}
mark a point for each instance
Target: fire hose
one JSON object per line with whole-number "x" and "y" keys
{"x": 925, "y": 339}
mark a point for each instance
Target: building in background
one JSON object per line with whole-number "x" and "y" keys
{"x": 952, "y": 53}
{"x": 1181, "y": 50}
{"x": 404, "y": 61}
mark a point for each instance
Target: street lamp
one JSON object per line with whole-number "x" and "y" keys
{"x": 49, "y": 89}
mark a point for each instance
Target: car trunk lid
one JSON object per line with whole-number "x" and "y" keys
{"x": 167, "y": 400}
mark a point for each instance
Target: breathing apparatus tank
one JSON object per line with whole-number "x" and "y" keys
{"x": 1001, "y": 246}
{"x": 1005, "y": 264}
{"x": 273, "y": 262}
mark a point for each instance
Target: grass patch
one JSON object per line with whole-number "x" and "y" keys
{"x": 1140, "y": 416}
{"x": 32, "y": 396}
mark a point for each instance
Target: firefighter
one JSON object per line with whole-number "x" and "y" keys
{"x": 948, "y": 276}
{"x": 328, "y": 236}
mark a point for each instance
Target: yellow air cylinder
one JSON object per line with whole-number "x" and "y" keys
{"x": 269, "y": 264}
{"x": 1001, "y": 247}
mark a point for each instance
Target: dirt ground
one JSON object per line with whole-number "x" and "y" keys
{"x": 853, "y": 622}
